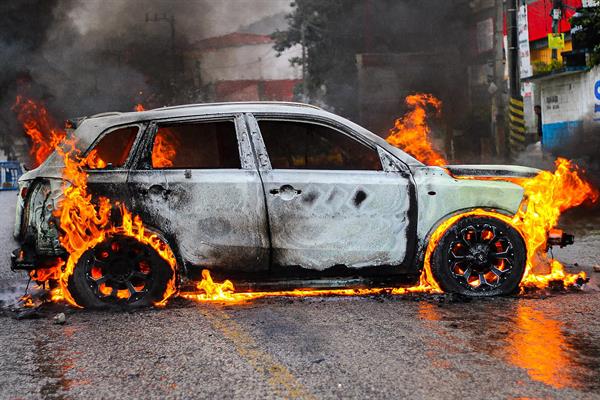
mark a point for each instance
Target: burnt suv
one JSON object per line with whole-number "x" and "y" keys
{"x": 278, "y": 192}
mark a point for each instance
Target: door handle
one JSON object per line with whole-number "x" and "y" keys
{"x": 286, "y": 192}
{"x": 155, "y": 190}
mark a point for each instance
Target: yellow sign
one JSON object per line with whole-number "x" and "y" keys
{"x": 556, "y": 41}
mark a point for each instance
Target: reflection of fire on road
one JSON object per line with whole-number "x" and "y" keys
{"x": 538, "y": 345}
{"x": 85, "y": 224}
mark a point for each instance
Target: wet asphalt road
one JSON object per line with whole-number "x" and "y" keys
{"x": 544, "y": 345}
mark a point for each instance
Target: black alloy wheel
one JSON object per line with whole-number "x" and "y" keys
{"x": 479, "y": 256}
{"x": 119, "y": 271}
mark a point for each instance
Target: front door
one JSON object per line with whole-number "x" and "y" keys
{"x": 329, "y": 200}
{"x": 216, "y": 204}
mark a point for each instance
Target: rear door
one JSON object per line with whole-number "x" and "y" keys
{"x": 329, "y": 200}
{"x": 213, "y": 190}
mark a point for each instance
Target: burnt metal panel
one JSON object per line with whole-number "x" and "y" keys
{"x": 217, "y": 217}
{"x": 319, "y": 219}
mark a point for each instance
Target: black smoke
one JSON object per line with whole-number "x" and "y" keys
{"x": 82, "y": 57}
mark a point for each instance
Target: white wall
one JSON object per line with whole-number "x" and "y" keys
{"x": 571, "y": 97}
{"x": 571, "y": 110}
{"x": 251, "y": 62}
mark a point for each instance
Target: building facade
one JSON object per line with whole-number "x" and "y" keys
{"x": 242, "y": 67}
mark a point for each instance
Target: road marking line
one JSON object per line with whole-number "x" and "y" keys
{"x": 278, "y": 375}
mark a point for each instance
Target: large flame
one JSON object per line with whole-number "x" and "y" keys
{"x": 548, "y": 195}
{"x": 411, "y": 132}
{"x": 85, "y": 224}
{"x": 41, "y": 128}
{"x": 163, "y": 152}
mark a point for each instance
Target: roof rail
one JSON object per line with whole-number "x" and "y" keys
{"x": 283, "y": 103}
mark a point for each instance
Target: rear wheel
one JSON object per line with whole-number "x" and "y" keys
{"x": 479, "y": 256}
{"x": 120, "y": 271}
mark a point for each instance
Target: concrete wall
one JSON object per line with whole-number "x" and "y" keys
{"x": 571, "y": 112}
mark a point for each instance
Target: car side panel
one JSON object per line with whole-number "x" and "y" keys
{"x": 440, "y": 195}
{"x": 351, "y": 218}
{"x": 216, "y": 217}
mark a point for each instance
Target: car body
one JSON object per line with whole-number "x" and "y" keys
{"x": 281, "y": 202}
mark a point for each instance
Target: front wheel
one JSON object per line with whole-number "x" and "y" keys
{"x": 479, "y": 256}
{"x": 120, "y": 271}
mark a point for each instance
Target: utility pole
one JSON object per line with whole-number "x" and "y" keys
{"x": 303, "y": 43}
{"x": 513, "y": 48}
{"x": 517, "y": 134}
{"x": 498, "y": 84}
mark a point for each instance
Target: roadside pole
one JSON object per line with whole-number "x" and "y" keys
{"x": 516, "y": 137}
{"x": 498, "y": 97}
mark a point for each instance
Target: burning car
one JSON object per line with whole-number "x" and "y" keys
{"x": 264, "y": 192}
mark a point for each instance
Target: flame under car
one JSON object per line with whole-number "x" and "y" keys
{"x": 270, "y": 194}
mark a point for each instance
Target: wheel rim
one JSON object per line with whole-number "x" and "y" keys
{"x": 481, "y": 257}
{"x": 119, "y": 270}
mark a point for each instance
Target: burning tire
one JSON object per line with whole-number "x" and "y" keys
{"x": 479, "y": 256}
{"x": 119, "y": 271}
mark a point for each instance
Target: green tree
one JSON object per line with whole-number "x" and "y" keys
{"x": 328, "y": 31}
{"x": 333, "y": 32}
{"x": 586, "y": 28}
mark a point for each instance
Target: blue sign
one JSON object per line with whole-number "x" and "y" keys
{"x": 597, "y": 90}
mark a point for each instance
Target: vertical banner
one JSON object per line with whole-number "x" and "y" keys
{"x": 525, "y": 70}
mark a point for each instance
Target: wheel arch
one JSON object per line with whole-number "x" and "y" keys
{"x": 172, "y": 243}
{"x": 424, "y": 241}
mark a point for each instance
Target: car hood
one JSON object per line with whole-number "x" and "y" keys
{"x": 500, "y": 171}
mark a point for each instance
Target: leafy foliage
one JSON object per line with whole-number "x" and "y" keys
{"x": 586, "y": 28}
{"x": 331, "y": 41}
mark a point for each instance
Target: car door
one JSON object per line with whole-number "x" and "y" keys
{"x": 210, "y": 182}
{"x": 329, "y": 200}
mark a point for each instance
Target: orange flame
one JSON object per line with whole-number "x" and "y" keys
{"x": 163, "y": 152}
{"x": 139, "y": 107}
{"x": 209, "y": 291}
{"x": 411, "y": 132}
{"x": 85, "y": 224}
{"x": 548, "y": 195}
{"x": 43, "y": 131}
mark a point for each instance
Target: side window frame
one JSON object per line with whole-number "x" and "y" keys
{"x": 262, "y": 153}
{"x": 143, "y": 158}
{"x": 132, "y": 152}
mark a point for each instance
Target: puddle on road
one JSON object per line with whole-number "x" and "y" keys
{"x": 523, "y": 336}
